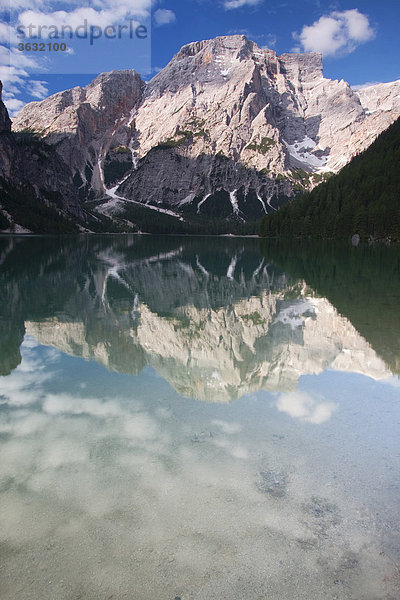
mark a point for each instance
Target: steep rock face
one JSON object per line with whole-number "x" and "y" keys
{"x": 211, "y": 185}
{"x": 270, "y": 116}
{"x": 5, "y": 121}
{"x": 381, "y": 103}
{"x": 380, "y": 97}
{"x": 36, "y": 185}
{"x": 6, "y": 147}
{"x": 82, "y": 122}
{"x": 224, "y": 123}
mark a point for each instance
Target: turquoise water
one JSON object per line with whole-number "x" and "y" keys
{"x": 198, "y": 418}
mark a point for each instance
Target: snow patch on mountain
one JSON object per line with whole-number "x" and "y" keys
{"x": 302, "y": 151}
{"x": 234, "y": 202}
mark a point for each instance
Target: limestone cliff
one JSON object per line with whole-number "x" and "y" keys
{"x": 82, "y": 122}
{"x": 36, "y": 185}
{"x": 227, "y": 129}
{"x": 6, "y": 149}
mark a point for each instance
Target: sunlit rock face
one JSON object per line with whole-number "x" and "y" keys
{"x": 379, "y": 98}
{"x": 6, "y": 146}
{"x": 82, "y": 122}
{"x": 29, "y": 168}
{"x": 225, "y": 123}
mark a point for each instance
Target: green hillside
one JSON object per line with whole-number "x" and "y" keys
{"x": 363, "y": 198}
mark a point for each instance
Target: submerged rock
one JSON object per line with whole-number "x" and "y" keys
{"x": 272, "y": 482}
{"x": 325, "y": 515}
{"x": 200, "y": 438}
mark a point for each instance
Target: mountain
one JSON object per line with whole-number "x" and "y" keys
{"x": 42, "y": 189}
{"x": 6, "y": 148}
{"x": 81, "y": 124}
{"x": 224, "y": 134}
{"x": 363, "y": 199}
{"x": 36, "y": 185}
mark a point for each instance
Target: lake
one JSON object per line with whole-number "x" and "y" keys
{"x": 198, "y": 418}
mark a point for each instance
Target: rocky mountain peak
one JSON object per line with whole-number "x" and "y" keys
{"x": 202, "y": 63}
{"x": 5, "y": 121}
{"x": 118, "y": 90}
{"x": 83, "y": 121}
{"x": 218, "y": 44}
{"x": 225, "y": 128}
{"x": 113, "y": 94}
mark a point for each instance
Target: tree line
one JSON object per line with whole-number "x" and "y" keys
{"x": 363, "y": 198}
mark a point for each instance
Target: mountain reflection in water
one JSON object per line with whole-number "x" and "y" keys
{"x": 118, "y": 483}
{"x": 216, "y": 318}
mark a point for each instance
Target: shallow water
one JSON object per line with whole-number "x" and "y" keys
{"x": 198, "y": 418}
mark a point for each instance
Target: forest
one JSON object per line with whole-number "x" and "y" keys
{"x": 363, "y": 198}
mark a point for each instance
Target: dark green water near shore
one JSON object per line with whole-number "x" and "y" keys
{"x": 198, "y": 418}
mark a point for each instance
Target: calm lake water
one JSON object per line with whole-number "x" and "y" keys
{"x": 198, "y": 419}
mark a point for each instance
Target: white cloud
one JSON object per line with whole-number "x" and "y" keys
{"x": 23, "y": 386}
{"x": 7, "y": 33}
{"x": 48, "y": 6}
{"x": 232, "y": 4}
{"x": 164, "y": 16}
{"x": 13, "y": 105}
{"x": 361, "y": 86}
{"x": 226, "y": 427}
{"x": 66, "y": 404}
{"x": 37, "y": 89}
{"x": 271, "y": 41}
{"x": 140, "y": 427}
{"x": 300, "y": 405}
{"x": 15, "y": 78}
{"x": 104, "y": 12}
{"x": 12, "y": 79}
{"x": 44, "y": 13}
{"x": 17, "y": 60}
{"x": 336, "y": 34}
{"x": 132, "y": 7}
{"x": 15, "y": 5}
{"x": 76, "y": 18}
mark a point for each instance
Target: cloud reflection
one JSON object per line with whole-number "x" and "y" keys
{"x": 121, "y": 494}
{"x": 304, "y": 407}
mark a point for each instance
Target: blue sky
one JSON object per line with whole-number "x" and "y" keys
{"x": 359, "y": 39}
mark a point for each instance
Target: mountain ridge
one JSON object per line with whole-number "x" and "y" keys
{"x": 227, "y": 131}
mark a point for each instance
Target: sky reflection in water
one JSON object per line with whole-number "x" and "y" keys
{"x": 116, "y": 485}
